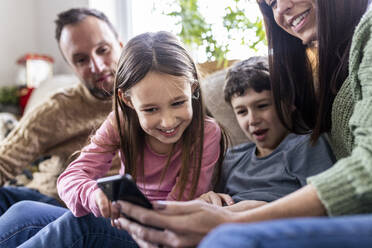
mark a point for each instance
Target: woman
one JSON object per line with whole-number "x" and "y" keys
{"x": 335, "y": 97}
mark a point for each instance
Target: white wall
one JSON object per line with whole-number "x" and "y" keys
{"x": 28, "y": 26}
{"x": 46, "y": 12}
{"x": 17, "y": 23}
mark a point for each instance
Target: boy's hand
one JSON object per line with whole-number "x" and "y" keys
{"x": 218, "y": 199}
{"x": 245, "y": 205}
{"x": 105, "y": 207}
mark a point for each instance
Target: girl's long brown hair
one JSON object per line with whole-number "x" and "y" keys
{"x": 291, "y": 72}
{"x": 158, "y": 52}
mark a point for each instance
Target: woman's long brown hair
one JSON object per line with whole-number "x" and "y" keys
{"x": 291, "y": 72}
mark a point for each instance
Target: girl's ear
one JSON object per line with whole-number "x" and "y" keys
{"x": 194, "y": 86}
{"x": 195, "y": 91}
{"x": 125, "y": 99}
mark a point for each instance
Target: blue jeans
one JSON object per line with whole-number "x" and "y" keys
{"x": 10, "y": 195}
{"x": 347, "y": 232}
{"x": 24, "y": 219}
{"x": 87, "y": 231}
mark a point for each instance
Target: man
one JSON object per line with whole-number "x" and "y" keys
{"x": 61, "y": 125}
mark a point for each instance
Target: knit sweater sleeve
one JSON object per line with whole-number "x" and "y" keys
{"x": 37, "y": 131}
{"x": 77, "y": 184}
{"x": 346, "y": 188}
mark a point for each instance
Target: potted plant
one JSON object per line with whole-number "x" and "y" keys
{"x": 196, "y": 32}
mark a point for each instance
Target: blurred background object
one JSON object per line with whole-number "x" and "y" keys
{"x": 33, "y": 69}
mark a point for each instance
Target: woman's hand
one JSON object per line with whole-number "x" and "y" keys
{"x": 218, "y": 199}
{"x": 185, "y": 223}
{"x": 105, "y": 206}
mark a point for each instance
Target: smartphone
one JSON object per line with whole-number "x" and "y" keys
{"x": 122, "y": 187}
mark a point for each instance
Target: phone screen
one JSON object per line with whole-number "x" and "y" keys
{"x": 122, "y": 187}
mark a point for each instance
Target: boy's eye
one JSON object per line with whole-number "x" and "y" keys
{"x": 241, "y": 112}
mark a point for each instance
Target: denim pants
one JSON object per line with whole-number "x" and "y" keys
{"x": 24, "y": 219}
{"x": 87, "y": 231}
{"x": 10, "y": 195}
{"x": 347, "y": 232}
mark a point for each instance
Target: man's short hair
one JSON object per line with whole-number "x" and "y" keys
{"x": 76, "y": 15}
{"x": 252, "y": 73}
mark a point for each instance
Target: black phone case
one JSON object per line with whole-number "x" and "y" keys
{"x": 121, "y": 187}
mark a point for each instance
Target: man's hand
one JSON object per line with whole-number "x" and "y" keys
{"x": 218, "y": 199}
{"x": 185, "y": 223}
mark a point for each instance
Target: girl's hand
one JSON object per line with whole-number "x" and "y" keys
{"x": 185, "y": 223}
{"x": 218, "y": 199}
{"x": 105, "y": 206}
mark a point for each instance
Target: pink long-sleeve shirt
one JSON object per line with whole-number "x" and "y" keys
{"x": 77, "y": 184}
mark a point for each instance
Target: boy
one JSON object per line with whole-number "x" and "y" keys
{"x": 276, "y": 162}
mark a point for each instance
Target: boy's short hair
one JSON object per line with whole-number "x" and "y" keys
{"x": 252, "y": 73}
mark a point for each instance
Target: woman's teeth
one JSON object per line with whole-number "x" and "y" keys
{"x": 300, "y": 18}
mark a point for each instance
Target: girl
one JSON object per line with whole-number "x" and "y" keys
{"x": 166, "y": 142}
{"x": 333, "y": 95}
{"x": 159, "y": 125}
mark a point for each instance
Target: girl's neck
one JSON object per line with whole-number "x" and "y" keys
{"x": 157, "y": 146}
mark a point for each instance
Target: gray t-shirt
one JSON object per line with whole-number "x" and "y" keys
{"x": 244, "y": 176}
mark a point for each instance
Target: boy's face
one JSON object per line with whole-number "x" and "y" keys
{"x": 257, "y": 117}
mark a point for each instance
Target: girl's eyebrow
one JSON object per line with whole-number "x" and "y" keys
{"x": 181, "y": 97}
{"x": 147, "y": 105}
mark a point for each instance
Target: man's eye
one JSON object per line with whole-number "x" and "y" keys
{"x": 102, "y": 50}
{"x": 80, "y": 61}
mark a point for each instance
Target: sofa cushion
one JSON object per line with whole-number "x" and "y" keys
{"x": 212, "y": 88}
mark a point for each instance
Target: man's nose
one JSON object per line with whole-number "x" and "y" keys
{"x": 97, "y": 64}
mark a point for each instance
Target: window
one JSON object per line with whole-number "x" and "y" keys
{"x": 135, "y": 17}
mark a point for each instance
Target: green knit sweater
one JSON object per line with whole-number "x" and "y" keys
{"x": 346, "y": 188}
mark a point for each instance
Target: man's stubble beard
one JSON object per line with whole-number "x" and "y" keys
{"x": 100, "y": 93}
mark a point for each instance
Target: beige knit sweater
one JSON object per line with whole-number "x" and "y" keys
{"x": 58, "y": 127}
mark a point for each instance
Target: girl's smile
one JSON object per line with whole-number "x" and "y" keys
{"x": 169, "y": 132}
